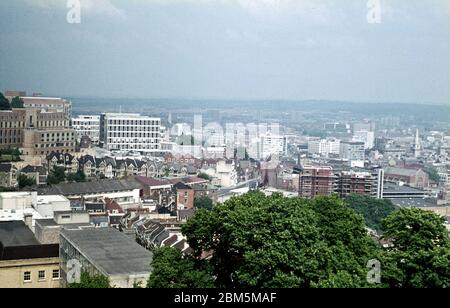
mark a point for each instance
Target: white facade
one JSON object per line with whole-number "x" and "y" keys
{"x": 130, "y": 132}
{"x": 17, "y": 200}
{"x": 324, "y": 147}
{"x": 180, "y": 129}
{"x": 226, "y": 173}
{"x": 354, "y": 152}
{"x": 273, "y": 145}
{"x": 87, "y": 125}
{"x": 47, "y": 205}
{"x": 368, "y": 137}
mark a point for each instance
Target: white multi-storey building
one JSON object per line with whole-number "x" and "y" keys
{"x": 87, "y": 125}
{"x": 354, "y": 152}
{"x": 130, "y": 132}
{"x": 368, "y": 137}
{"x": 324, "y": 147}
{"x": 273, "y": 145}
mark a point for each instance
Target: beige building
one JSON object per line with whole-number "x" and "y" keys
{"x": 24, "y": 262}
{"x": 37, "y": 131}
{"x": 30, "y": 273}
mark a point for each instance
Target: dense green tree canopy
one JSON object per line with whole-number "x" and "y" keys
{"x": 420, "y": 252}
{"x": 17, "y": 102}
{"x": 204, "y": 176}
{"x": 78, "y": 177}
{"x": 4, "y": 103}
{"x": 91, "y": 282}
{"x": 56, "y": 176}
{"x": 260, "y": 241}
{"x": 173, "y": 270}
{"x": 373, "y": 210}
{"x": 25, "y": 181}
{"x": 203, "y": 202}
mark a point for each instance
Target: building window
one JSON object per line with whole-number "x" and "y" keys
{"x": 27, "y": 277}
{"x": 55, "y": 274}
{"x": 41, "y": 275}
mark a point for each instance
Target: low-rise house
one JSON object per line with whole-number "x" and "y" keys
{"x": 8, "y": 175}
{"x": 153, "y": 233}
{"x": 63, "y": 160}
{"x": 158, "y": 190}
{"x": 38, "y": 173}
{"x": 114, "y": 212}
{"x": 185, "y": 196}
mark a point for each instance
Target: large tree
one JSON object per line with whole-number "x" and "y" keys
{"x": 419, "y": 256}
{"x": 259, "y": 241}
{"x": 78, "y": 177}
{"x": 25, "y": 181}
{"x": 88, "y": 281}
{"x": 173, "y": 270}
{"x": 203, "y": 202}
{"x": 17, "y": 102}
{"x": 56, "y": 176}
{"x": 4, "y": 103}
{"x": 373, "y": 210}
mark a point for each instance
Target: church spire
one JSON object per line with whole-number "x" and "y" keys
{"x": 417, "y": 145}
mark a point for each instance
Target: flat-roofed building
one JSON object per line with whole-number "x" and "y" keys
{"x": 108, "y": 252}
{"x": 316, "y": 181}
{"x": 87, "y": 125}
{"x": 130, "y": 132}
{"x": 24, "y": 262}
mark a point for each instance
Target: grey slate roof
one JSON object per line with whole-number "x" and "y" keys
{"x": 5, "y": 167}
{"x": 400, "y": 171}
{"x": 16, "y": 233}
{"x": 90, "y": 187}
{"x": 111, "y": 251}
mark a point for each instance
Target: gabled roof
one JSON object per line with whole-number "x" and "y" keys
{"x": 5, "y": 167}
{"x": 112, "y": 205}
{"x": 90, "y": 187}
{"x": 33, "y": 169}
{"x": 152, "y": 182}
{"x": 181, "y": 185}
{"x": 86, "y": 158}
{"x": 401, "y": 171}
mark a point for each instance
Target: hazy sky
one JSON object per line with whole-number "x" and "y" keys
{"x": 246, "y": 49}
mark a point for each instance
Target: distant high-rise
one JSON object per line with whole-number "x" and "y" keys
{"x": 354, "y": 152}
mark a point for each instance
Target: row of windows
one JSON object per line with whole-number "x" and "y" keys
{"x": 133, "y": 135}
{"x": 133, "y": 122}
{"x": 10, "y": 132}
{"x": 133, "y": 128}
{"x": 57, "y": 151}
{"x": 131, "y": 147}
{"x": 11, "y": 124}
{"x": 9, "y": 141}
{"x": 52, "y": 145}
{"x": 53, "y": 123}
{"x": 57, "y": 134}
{"x": 41, "y": 274}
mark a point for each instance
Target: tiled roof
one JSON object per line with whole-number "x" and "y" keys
{"x": 151, "y": 181}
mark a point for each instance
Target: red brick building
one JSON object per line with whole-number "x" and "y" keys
{"x": 316, "y": 181}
